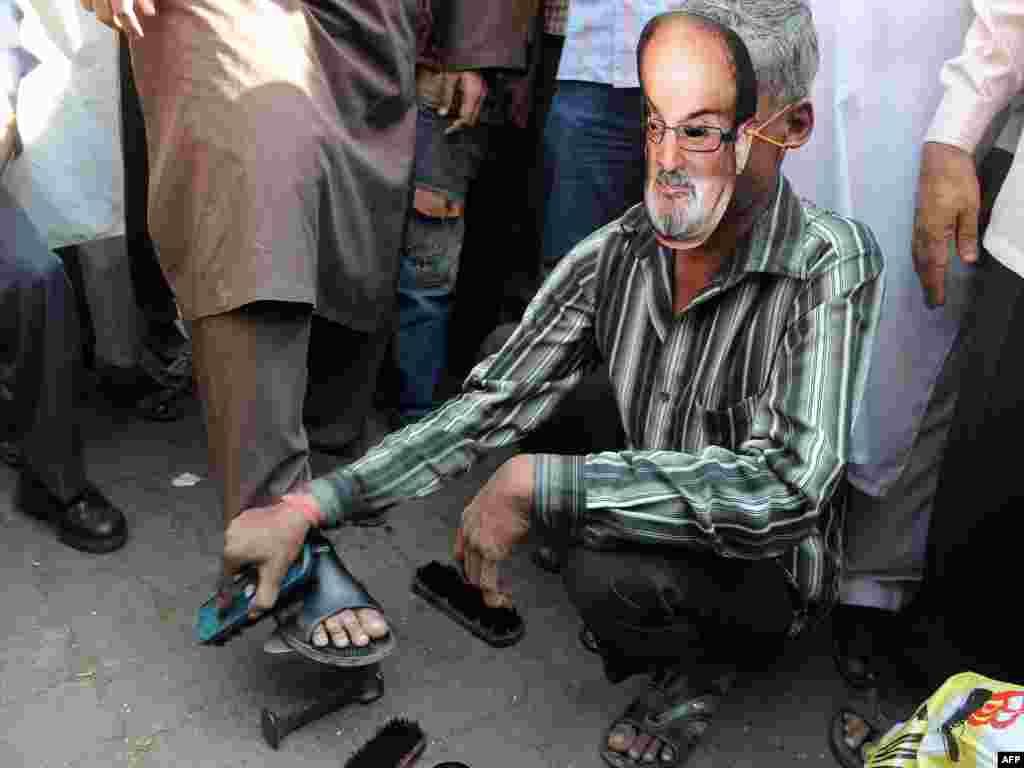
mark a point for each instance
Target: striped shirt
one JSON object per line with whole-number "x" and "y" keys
{"x": 737, "y": 411}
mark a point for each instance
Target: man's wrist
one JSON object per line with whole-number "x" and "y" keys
{"x": 336, "y": 497}
{"x": 307, "y": 504}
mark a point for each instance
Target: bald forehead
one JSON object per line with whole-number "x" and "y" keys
{"x": 686, "y": 54}
{"x": 687, "y": 31}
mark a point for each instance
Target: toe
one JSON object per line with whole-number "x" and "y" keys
{"x": 650, "y": 754}
{"x": 373, "y": 622}
{"x": 639, "y": 746}
{"x": 621, "y": 738}
{"x": 337, "y": 632}
{"x": 355, "y": 629}
{"x": 855, "y": 730}
{"x": 320, "y": 636}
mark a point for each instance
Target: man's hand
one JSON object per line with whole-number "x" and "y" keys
{"x": 493, "y": 524}
{"x": 471, "y": 89}
{"x": 121, "y": 14}
{"x": 948, "y": 199}
{"x": 270, "y": 538}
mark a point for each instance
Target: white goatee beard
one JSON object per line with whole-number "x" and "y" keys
{"x": 680, "y": 219}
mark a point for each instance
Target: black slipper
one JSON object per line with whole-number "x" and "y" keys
{"x": 444, "y": 588}
{"x": 676, "y": 709}
{"x": 876, "y": 725}
{"x": 333, "y": 590}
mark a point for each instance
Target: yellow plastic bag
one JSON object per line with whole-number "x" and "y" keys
{"x": 970, "y": 722}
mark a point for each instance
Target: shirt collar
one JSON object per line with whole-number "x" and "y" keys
{"x": 771, "y": 247}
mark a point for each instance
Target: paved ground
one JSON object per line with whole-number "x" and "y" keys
{"x": 98, "y": 666}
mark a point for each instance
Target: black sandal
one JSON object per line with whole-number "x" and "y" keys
{"x": 676, "y": 710}
{"x": 875, "y": 725}
{"x": 333, "y": 590}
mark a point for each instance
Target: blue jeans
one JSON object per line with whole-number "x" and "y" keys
{"x": 593, "y": 162}
{"x": 429, "y": 262}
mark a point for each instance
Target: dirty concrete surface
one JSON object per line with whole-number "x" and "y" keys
{"x": 98, "y": 666}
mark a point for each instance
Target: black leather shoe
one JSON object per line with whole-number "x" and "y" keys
{"x": 90, "y": 523}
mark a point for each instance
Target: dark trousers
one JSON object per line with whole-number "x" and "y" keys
{"x": 974, "y": 536}
{"x": 40, "y": 355}
{"x": 956, "y": 621}
{"x": 651, "y": 606}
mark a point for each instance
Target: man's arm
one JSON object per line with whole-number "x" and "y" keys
{"x": 504, "y": 398}
{"x": 979, "y": 84}
{"x": 766, "y": 496}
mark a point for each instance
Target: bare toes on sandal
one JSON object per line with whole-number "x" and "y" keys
{"x": 856, "y": 731}
{"x": 355, "y": 631}
{"x": 336, "y": 629}
{"x": 621, "y": 738}
{"x": 373, "y": 622}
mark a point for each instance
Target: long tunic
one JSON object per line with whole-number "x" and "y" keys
{"x": 280, "y": 147}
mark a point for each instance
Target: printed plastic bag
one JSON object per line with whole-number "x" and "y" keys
{"x": 970, "y": 722}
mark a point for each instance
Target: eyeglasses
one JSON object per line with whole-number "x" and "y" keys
{"x": 692, "y": 137}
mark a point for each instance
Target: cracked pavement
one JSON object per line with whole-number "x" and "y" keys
{"x": 98, "y": 666}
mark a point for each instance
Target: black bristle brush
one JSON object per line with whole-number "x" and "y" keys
{"x": 444, "y": 588}
{"x": 396, "y": 744}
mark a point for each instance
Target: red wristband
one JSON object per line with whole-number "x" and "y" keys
{"x": 307, "y": 505}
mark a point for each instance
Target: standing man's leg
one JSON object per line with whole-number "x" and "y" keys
{"x": 972, "y": 533}
{"x": 250, "y": 369}
{"x": 593, "y": 162}
{"x": 41, "y": 358}
{"x": 343, "y": 372}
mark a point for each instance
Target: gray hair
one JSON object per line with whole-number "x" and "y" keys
{"x": 780, "y": 36}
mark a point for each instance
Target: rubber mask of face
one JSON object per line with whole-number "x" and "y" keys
{"x": 687, "y": 221}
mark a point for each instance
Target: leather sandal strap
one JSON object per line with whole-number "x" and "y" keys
{"x": 336, "y": 590}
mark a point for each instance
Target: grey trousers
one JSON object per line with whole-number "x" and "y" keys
{"x": 252, "y": 371}
{"x": 40, "y": 356}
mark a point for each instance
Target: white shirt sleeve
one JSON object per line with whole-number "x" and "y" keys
{"x": 984, "y": 78}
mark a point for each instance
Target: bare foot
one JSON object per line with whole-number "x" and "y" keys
{"x": 351, "y": 628}
{"x": 856, "y": 732}
{"x": 641, "y": 748}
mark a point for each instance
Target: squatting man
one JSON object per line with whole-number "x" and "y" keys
{"x": 735, "y": 322}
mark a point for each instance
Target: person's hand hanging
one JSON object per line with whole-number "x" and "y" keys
{"x": 468, "y": 88}
{"x": 122, "y": 15}
{"x": 948, "y": 200}
{"x": 495, "y": 522}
